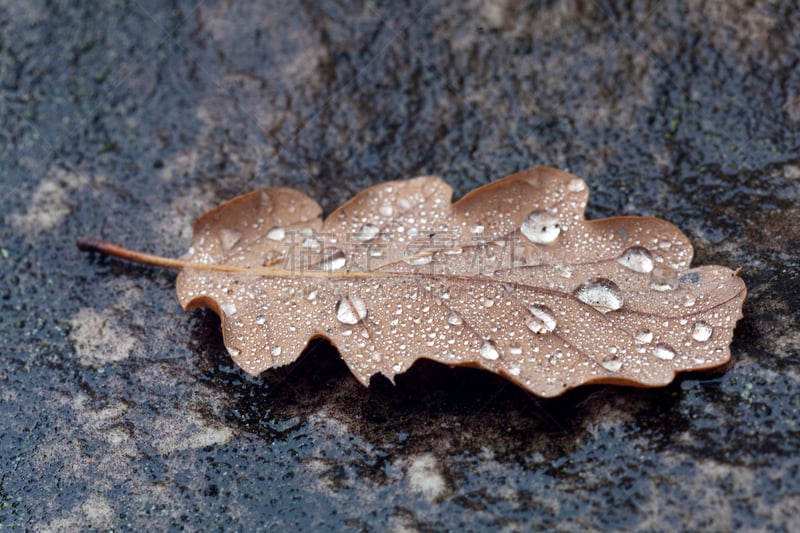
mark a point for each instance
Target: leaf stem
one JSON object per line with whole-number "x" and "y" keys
{"x": 94, "y": 244}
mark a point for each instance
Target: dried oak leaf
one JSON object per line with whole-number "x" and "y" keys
{"x": 511, "y": 279}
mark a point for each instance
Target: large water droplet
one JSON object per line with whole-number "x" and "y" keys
{"x": 612, "y": 364}
{"x": 368, "y": 232}
{"x": 663, "y": 279}
{"x": 637, "y": 258}
{"x": 311, "y": 243}
{"x": 564, "y": 270}
{"x": 276, "y": 351}
{"x": 386, "y": 210}
{"x": 477, "y": 229}
{"x": 276, "y": 234}
{"x": 351, "y": 310}
{"x": 261, "y": 320}
{"x": 601, "y": 293}
{"x": 542, "y": 321}
{"x": 701, "y": 331}
{"x": 454, "y": 320}
{"x": 643, "y": 336}
{"x": 488, "y": 351}
{"x": 576, "y": 185}
{"x": 419, "y": 259}
{"x": 229, "y": 238}
{"x": 334, "y": 261}
{"x": 541, "y": 227}
{"x": 664, "y": 351}
{"x": 228, "y": 308}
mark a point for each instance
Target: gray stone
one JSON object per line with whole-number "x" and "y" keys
{"x": 129, "y": 119}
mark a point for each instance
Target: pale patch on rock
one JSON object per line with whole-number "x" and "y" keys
{"x": 190, "y": 432}
{"x": 424, "y": 477}
{"x": 98, "y": 338}
{"x": 709, "y": 488}
{"x": 95, "y": 417}
{"x": 793, "y": 171}
{"x": 326, "y": 422}
{"x": 49, "y": 205}
{"x": 304, "y": 67}
{"x": 95, "y": 513}
{"x": 47, "y": 209}
{"x": 493, "y": 13}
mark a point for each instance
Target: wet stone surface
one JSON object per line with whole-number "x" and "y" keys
{"x": 129, "y": 119}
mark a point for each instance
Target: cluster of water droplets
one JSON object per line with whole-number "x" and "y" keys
{"x": 539, "y": 227}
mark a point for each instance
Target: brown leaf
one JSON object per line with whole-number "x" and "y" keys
{"x": 511, "y": 279}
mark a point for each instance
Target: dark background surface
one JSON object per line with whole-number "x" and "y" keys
{"x": 129, "y": 119}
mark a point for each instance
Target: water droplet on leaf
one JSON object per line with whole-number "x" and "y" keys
{"x": 453, "y": 319}
{"x": 540, "y": 227}
{"x": 335, "y": 261}
{"x": 643, "y": 336}
{"x": 701, "y": 331}
{"x": 601, "y": 293}
{"x": 613, "y": 365}
{"x": 229, "y": 238}
{"x": 564, "y": 270}
{"x": 488, "y": 351}
{"x": 637, "y": 258}
{"x": 368, "y": 232}
{"x": 351, "y": 310}
{"x": 663, "y": 279}
{"x": 664, "y": 351}
{"x": 576, "y": 185}
{"x": 311, "y": 243}
{"x": 276, "y": 234}
{"x": 542, "y": 321}
{"x": 419, "y": 259}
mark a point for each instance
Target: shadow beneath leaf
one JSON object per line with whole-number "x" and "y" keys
{"x": 430, "y": 407}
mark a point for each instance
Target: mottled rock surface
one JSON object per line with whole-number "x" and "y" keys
{"x": 129, "y": 119}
